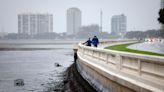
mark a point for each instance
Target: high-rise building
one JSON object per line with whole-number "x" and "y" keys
{"x": 118, "y": 24}
{"x": 162, "y": 3}
{"x": 35, "y": 23}
{"x": 73, "y": 21}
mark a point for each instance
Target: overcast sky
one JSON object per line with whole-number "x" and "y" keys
{"x": 141, "y": 14}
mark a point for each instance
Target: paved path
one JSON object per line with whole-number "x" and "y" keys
{"x": 157, "y": 47}
{"x": 103, "y": 46}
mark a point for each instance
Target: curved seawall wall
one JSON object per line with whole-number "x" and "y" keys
{"x": 114, "y": 71}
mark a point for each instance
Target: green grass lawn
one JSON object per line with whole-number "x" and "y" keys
{"x": 123, "y": 47}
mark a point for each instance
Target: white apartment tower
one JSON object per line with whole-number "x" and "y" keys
{"x": 32, "y": 24}
{"x": 73, "y": 21}
{"x": 118, "y": 24}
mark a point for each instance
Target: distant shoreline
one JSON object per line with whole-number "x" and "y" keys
{"x": 27, "y": 49}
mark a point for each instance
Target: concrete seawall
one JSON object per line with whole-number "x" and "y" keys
{"x": 114, "y": 71}
{"x": 96, "y": 78}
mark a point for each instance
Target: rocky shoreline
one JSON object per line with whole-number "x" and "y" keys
{"x": 73, "y": 82}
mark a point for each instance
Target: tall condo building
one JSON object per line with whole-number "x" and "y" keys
{"x": 118, "y": 24}
{"x": 73, "y": 21}
{"x": 35, "y": 23}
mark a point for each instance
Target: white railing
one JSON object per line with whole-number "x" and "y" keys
{"x": 147, "y": 67}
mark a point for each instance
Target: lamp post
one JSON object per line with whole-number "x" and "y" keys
{"x": 75, "y": 49}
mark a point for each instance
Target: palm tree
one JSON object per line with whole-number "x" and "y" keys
{"x": 161, "y": 16}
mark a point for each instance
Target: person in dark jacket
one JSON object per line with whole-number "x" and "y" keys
{"x": 95, "y": 41}
{"x": 88, "y": 42}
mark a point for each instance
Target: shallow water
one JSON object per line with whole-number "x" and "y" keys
{"x": 35, "y": 67}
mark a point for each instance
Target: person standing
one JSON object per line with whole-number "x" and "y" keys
{"x": 95, "y": 41}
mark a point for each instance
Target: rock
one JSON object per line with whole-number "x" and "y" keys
{"x": 19, "y": 82}
{"x": 42, "y": 84}
{"x": 65, "y": 81}
{"x": 50, "y": 78}
{"x": 57, "y": 65}
{"x": 57, "y": 90}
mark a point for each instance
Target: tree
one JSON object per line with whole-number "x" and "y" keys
{"x": 161, "y": 16}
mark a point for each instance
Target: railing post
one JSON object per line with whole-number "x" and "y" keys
{"x": 120, "y": 62}
{"x": 139, "y": 67}
{"x": 83, "y": 52}
{"x": 107, "y": 58}
{"x": 92, "y": 53}
{"x": 99, "y": 57}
